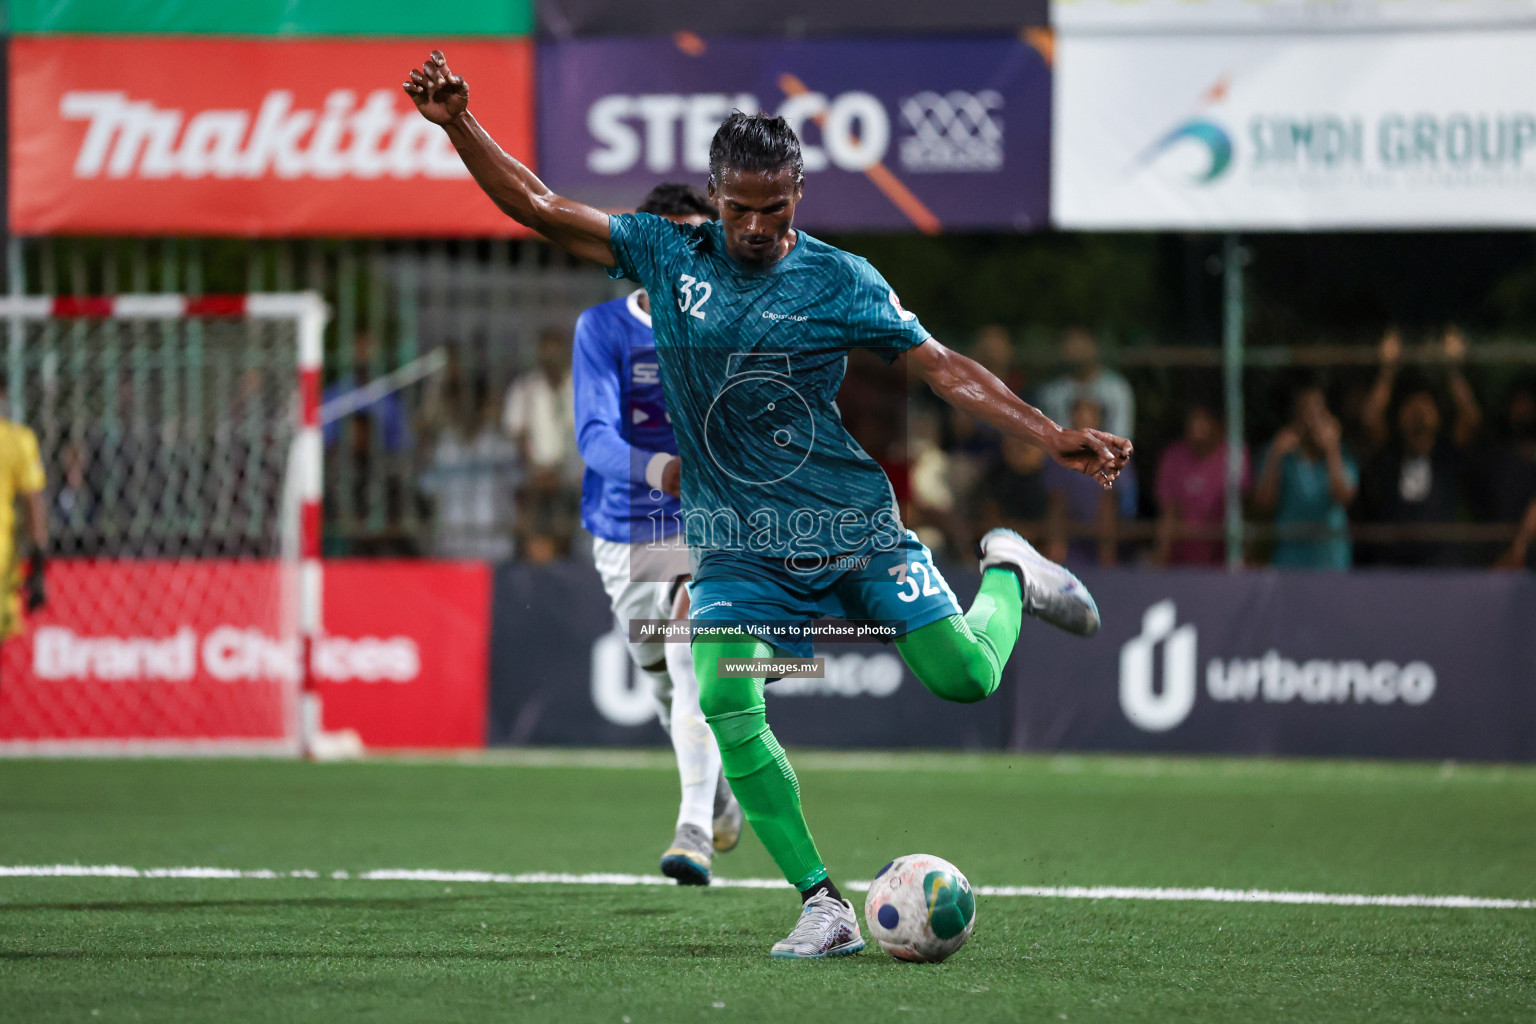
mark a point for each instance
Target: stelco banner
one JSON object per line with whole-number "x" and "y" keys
{"x": 165, "y": 136}
{"x": 1371, "y": 130}
{"x": 934, "y": 135}
{"x": 1424, "y": 665}
{"x": 194, "y": 651}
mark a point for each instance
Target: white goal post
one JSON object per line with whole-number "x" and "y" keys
{"x": 180, "y": 437}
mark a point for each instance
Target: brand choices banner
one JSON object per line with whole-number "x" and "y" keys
{"x": 192, "y": 651}
{"x": 1427, "y": 665}
{"x": 405, "y": 652}
{"x": 164, "y": 136}
{"x": 933, "y": 134}
{"x": 1415, "y": 130}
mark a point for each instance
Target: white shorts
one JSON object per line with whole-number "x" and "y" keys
{"x": 641, "y": 581}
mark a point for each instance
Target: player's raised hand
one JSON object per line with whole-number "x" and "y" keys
{"x": 438, "y": 93}
{"x": 1094, "y": 453}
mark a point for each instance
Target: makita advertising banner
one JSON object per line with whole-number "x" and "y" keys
{"x": 561, "y": 674}
{"x": 187, "y": 652}
{"x": 1426, "y": 664}
{"x": 1320, "y": 131}
{"x": 163, "y": 136}
{"x": 897, "y": 134}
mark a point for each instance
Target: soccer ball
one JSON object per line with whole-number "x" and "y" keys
{"x": 920, "y": 908}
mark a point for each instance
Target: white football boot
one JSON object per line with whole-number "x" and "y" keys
{"x": 727, "y": 817}
{"x": 827, "y": 927}
{"x": 1051, "y": 593}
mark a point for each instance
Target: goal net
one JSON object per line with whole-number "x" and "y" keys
{"x": 181, "y": 447}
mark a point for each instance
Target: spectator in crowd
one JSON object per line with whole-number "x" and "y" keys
{"x": 1087, "y": 379}
{"x": 540, "y": 417}
{"x": 1308, "y": 481}
{"x": 386, "y": 414}
{"x": 994, "y": 350}
{"x": 1012, "y": 491}
{"x": 1417, "y": 478}
{"x": 1192, "y": 491}
{"x": 1083, "y": 523}
{"x": 1507, "y": 476}
{"x": 471, "y": 478}
{"x": 932, "y": 511}
{"x": 1522, "y": 553}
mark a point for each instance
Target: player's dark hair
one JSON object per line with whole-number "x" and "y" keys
{"x": 674, "y": 199}
{"x": 755, "y": 143}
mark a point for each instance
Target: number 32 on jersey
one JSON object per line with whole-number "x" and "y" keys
{"x": 694, "y": 294}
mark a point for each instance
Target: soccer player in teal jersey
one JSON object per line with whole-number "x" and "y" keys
{"x": 788, "y": 520}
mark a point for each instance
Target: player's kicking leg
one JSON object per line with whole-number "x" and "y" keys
{"x": 960, "y": 657}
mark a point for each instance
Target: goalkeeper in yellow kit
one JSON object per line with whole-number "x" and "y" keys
{"x": 21, "y": 478}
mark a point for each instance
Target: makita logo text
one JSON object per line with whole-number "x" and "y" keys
{"x": 228, "y": 654}
{"x": 128, "y": 138}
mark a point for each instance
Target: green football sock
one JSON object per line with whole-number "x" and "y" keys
{"x": 961, "y": 658}
{"x": 764, "y": 783}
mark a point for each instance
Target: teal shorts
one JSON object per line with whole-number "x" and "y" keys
{"x": 760, "y": 595}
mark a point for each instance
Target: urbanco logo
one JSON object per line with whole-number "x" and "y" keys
{"x": 1144, "y": 706}
{"x": 1154, "y": 705}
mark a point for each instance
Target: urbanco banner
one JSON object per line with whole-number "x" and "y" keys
{"x": 562, "y": 674}
{"x": 218, "y": 136}
{"x": 1378, "y": 664}
{"x": 896, "y": 134}
{"x": 1295, "y": 132}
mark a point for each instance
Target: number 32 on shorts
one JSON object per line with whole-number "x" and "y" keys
{"x": 907, "y": 574}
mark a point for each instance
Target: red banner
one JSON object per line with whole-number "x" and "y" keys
{"x": 163, "y": 136}
{"x": 200, "y": 652}
{"x": 405, "y": 658}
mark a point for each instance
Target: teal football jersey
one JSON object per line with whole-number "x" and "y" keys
{"x": 751, "y": 362}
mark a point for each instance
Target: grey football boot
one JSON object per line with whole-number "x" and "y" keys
{"x": 1051, "y": 593}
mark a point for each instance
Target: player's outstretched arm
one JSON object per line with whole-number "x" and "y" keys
{"x": 972, "y": 388}
{"x": 443, "y": 98}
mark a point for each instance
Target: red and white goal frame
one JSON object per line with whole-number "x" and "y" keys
{"x": 181, "y": 437}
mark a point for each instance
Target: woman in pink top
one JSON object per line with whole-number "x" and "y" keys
{"x": 1192, "y": 492}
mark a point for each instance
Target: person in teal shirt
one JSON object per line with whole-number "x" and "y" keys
{"x": 788, "y": 520}
{"x": 1308, "y": 482}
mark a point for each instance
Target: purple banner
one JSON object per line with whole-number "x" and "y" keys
{"x": 897, "y": 135}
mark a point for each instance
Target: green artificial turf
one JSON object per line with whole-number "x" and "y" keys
{"x": 156, "y": 949}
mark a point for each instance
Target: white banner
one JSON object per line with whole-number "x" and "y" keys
{"x": 1122, "y": 16}
{"x": 1292, "y": 132}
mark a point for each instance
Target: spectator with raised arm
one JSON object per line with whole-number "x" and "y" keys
{"x": 1416, "y": 480}
{"x": 1308, "y": 481}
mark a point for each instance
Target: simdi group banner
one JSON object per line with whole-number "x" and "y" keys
{"x": 897, "y": 134}
{"x": 1288, "y": 131}
{"x": 216, "y": 136}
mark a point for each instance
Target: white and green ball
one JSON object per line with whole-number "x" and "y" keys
{"x": 920, "y": 908}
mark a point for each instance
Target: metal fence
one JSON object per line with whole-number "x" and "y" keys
{"x": 439, "y": 329}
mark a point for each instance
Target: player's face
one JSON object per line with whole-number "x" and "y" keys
{"x": 757, "y": 210}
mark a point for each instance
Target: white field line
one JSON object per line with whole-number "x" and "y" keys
{"x": 1064, "y": 892}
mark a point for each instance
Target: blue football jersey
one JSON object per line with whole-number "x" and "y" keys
{"x": 751, "y": 363}
{"x": 621, "y": 423}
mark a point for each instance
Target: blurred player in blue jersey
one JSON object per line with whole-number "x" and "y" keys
{"x": 629, "y": 503}
{"x": 787, "y": 518}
